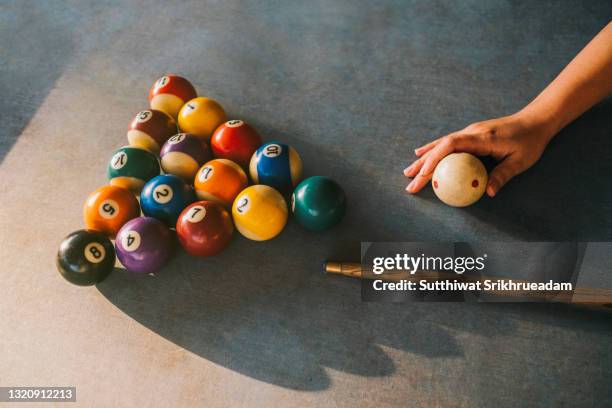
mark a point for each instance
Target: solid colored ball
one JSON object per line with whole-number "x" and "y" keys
{"x": 204, "y": 228}
{"x": 164, "y": 197}
{"x": 259, "y": 212}
{"x": 235, "y": 140}
{"x": 144, "y": 245}
{"x": 150, "y": 129}
{"x": 318, "y": 203}
{"x": 276, "y": 165}
{"x": 183, "y": 154}
{"x": 460, "y": 179}
{"x": 85, "y": 257}
{"x": 131, "y": 167}
{"x": 201, "y": 116}
{"x": 220, "y": 180}
{"x": 108, "y": 208}
{"x": 169, "y": 93}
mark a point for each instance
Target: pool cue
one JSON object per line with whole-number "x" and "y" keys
{"x": 579, "y": 295}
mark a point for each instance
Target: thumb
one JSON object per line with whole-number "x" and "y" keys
{"x": 501, "y": 175}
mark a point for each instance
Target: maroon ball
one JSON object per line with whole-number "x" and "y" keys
{"x": 183, "y": 154}
{"x": 150, "y": 129}
{"x": 204, "y": 228}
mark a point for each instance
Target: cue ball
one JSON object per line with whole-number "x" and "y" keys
{"x": 204, "y": 228}
{"x": 259, "y": 212}
{"x": 220, "y": 180}
{"x": 108, "y": 208}
{"x": 318, "y": 203}
{"x": 131, "y": 167}
{"x": 235, "y": 140}
{"x": 144, "y": 245}
{"x": 150, "y": 129}
{"x": 460, "y": 179}
{"x": 169, "y": 93}
{"x": 183, "y": 154}
{"x": 164, "y": 197}
{"x": 201, "y": 117}
{"x": 85, "y": 257}
{"x": 276, "y": 165}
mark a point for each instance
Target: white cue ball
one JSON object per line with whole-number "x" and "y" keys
{"x": 460, "y": 179}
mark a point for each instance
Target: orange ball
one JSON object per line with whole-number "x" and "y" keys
{"x": 220, "y": 180}
{"x": 108, "y": 208}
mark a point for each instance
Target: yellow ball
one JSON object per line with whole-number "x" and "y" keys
{"x": 259, "y": 212}
{"x": 201, "y": 117}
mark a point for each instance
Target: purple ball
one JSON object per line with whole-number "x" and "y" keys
{"x": 144, "y": 245}
{"x": 183, "y": 154}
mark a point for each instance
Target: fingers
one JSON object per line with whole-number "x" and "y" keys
{"x": 502, "y": 174}
{"x": 425, "y": 148}
{"x": 422, "y": 169}
{"x": 427, "y": 166}
{"x": 430, "y": 155}
{"x": 419, "y": 181}
{"x": 459, "y": 142}
{"x": 414, "y": 168}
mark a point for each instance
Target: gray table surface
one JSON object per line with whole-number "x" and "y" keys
{"x": 355, "y": 86}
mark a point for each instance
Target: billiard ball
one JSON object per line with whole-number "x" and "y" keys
{"x": 164, "y": 197}
{"x": 169, "y": 93}
{"x": 235, "y": 140}
{"x": 85, "y": 257}
{"x": 318, "y": 203}
{"x": 150, "y": 129}
{"x": 259, "y": 212}
{"x": 220, "y": 180}
{"x": 200, "y": 117}
{"x": 144, "y": 245}
{"x": 460, "y": 179}
{"x": 131, "y": 167}
{"x": 108, "y": 208}
{"x": 204, "y": 228}
{"x": 276, "y": 165}
{"x": 183, "y": 154}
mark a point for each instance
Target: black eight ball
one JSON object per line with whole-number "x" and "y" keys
{"x": 85, "y": 257}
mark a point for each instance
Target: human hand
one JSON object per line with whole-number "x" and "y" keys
{"x": 516, "y": 142}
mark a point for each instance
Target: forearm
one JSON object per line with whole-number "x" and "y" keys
{"x": 586, "y": 80}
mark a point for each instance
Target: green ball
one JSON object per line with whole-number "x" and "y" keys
{"x": 131, "y": 167}
{"x": 318, "y": 203}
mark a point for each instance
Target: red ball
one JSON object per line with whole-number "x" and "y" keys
{"x": 235, "y": 140}
{"x": 169, "y": 93}
{"x": 204, "y": 228}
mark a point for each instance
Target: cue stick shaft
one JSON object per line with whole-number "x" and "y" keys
{"x": 602, "y": 297}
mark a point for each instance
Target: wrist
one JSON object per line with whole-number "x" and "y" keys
{"x": 541, "y": 124}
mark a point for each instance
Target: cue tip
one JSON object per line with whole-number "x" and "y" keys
{"x": 332, "y": 267}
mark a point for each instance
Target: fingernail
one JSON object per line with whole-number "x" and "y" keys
{"x": 407, "y": 170}
{"x": 409, "y": 188}
{"x": 491, "y": 189}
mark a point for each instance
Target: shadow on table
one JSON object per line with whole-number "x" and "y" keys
{"x": 266, "y": 310}
{"x": 285, "y": 327}
{"x": 31, "y": 65}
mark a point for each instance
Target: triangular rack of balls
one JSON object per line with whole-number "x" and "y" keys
{"x": 189, "y": 165}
